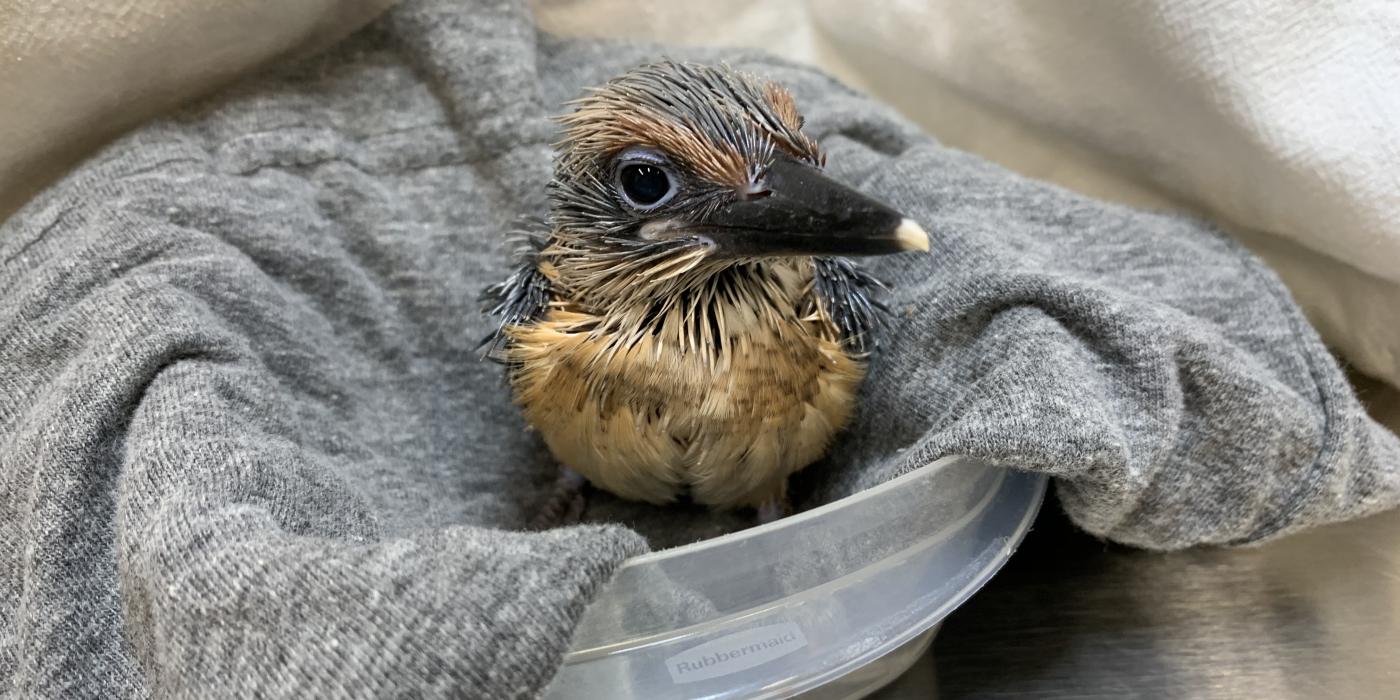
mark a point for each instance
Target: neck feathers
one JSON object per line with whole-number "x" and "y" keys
{"x": 677, "y": 294}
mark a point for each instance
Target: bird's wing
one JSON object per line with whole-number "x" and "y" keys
{"x": 520, "y": 299}
{"x": 850, "y": 300}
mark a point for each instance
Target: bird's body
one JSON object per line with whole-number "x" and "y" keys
{"x": 652, "y": 407}
{"x": 685, "y": 325}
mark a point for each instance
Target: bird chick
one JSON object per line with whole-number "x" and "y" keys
{"x": 688, "y": 323}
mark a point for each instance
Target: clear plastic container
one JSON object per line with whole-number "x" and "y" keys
{"x": 831, "y": 603}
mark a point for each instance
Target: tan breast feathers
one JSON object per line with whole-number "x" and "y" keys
{"x": 648, "y": 415}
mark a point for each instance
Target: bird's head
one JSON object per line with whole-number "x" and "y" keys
{"x": 711, "y": 161}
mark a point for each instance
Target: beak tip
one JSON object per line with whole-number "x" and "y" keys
{"x": 911, "y": 236}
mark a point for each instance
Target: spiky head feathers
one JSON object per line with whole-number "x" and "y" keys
{"x": 670, "y": 141}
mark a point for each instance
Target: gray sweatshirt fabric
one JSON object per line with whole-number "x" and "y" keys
{"x": 246, "y": 447}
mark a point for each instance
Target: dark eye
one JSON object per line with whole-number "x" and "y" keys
{"x": 645, "y": 185}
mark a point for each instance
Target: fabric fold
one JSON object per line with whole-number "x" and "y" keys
{"x": 247, "y": 446}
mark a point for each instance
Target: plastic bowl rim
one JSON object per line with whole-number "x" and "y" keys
{"x": 797, "y": 519}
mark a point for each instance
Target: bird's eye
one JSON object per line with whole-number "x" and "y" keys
{"x": 645, "y": 185}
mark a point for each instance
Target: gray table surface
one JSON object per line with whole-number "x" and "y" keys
{"x": 1316, "y": 615}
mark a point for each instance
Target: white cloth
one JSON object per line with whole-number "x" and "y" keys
{"x": 1278, "y": 118}
{"x": 75, "y": 73}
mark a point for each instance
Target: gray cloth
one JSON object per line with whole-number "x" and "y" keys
{"x": 246, "y": 447}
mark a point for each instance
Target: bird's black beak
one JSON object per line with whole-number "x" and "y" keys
{"x": 803, "y": 212}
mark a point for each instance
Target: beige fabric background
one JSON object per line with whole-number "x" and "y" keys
{"x": 74, "y": 73}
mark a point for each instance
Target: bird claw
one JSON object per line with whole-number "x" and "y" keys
{"x": 566, "y": 502}
{"x": 774, "y": 509}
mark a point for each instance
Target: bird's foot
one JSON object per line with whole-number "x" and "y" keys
{"x": 773, "y": 509}
{"x": 566, "y": 502}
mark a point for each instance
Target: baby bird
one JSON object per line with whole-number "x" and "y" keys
{"x": 687, "y": 325}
